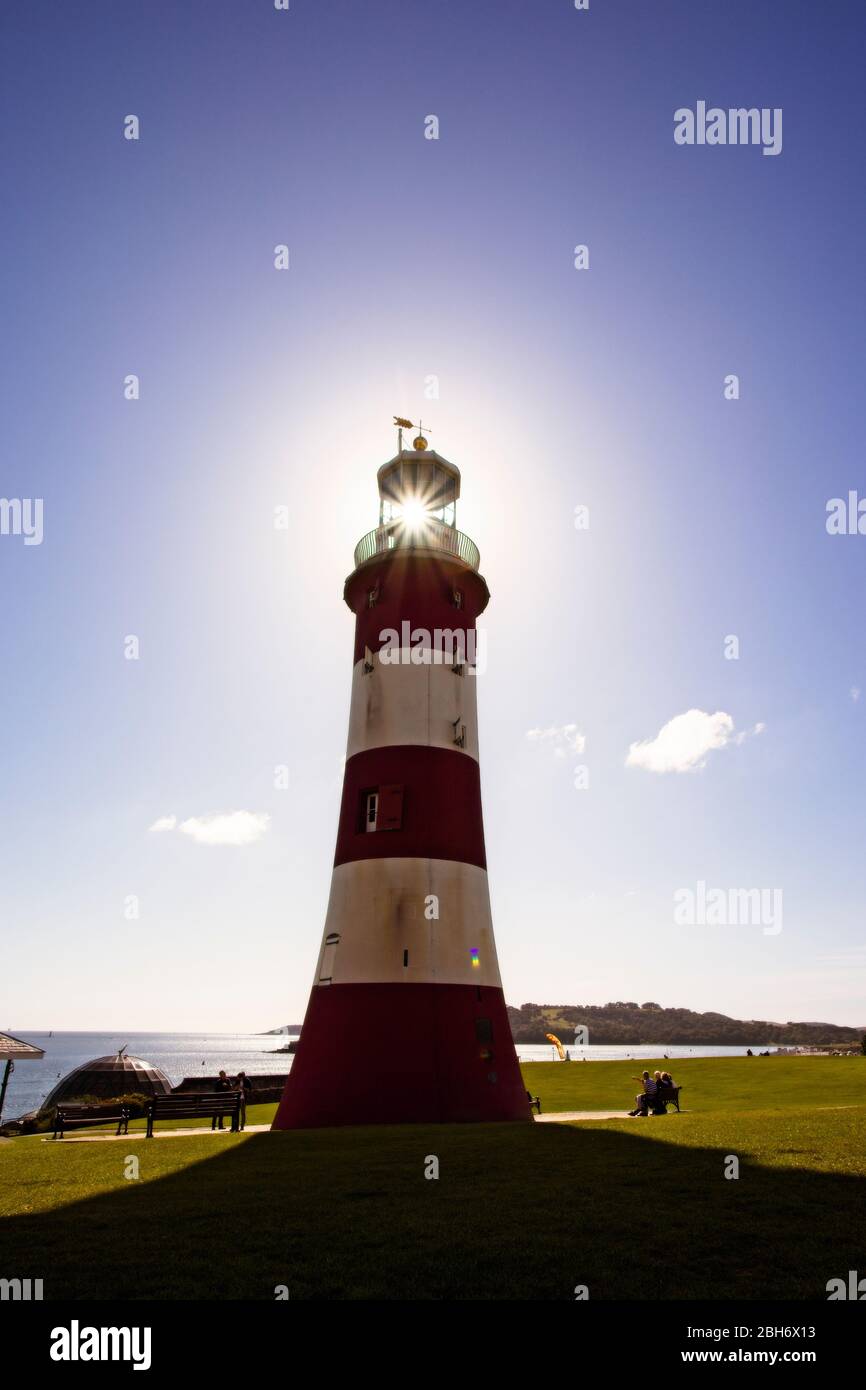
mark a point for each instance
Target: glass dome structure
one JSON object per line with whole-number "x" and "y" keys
{"x": 118, "y": 1075}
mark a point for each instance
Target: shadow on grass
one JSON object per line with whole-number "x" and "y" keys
{"x": 518, "y": 1211}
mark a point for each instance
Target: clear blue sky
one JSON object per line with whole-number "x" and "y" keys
{"x": 557, "y": 388}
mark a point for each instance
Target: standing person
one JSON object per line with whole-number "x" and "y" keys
{"x": 246, "y": 1089}
{"x": 222, "y": 1084}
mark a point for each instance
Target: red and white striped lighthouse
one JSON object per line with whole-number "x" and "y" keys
{"x": 406, "y": 1020}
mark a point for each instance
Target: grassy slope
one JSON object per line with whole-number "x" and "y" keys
{"x": 709, "y": 1083}
{"x": 631, "y": 1208}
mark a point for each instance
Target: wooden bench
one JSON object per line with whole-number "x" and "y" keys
{"x": 192, "y": 1105}
{"x": 534, "y": 1100}
{"x": 67, "y": 1117}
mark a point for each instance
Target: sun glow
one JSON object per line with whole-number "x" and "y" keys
{"x": 414, "y": 514}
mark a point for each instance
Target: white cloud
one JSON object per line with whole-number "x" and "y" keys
{"x": 747, "y": 733}
{"x": 565, "y": 739}
{"x": 230, "y": 828}
{"x": 683, "y": 744}
{"x": 854, "y": 692}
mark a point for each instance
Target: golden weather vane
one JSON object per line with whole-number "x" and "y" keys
{"x": 419, "y": 442}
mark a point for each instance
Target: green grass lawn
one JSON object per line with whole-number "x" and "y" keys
{"x": 631, "y": 1208}
{"x": 708, "y": 1083}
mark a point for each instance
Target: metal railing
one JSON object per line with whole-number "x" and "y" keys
{"x": 430, "y": 535}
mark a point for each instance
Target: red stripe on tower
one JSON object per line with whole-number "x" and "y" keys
{"x": 407, "y": 1020}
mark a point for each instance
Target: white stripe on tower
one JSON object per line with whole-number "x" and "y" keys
{"x": 399, "y": 702}
{"x": 417, "y": 947}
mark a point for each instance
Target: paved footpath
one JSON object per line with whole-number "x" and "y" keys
{"x": 140, "y": 1134}
{"x": 563, "y": 1116}
{"x": 554, "y": 1117}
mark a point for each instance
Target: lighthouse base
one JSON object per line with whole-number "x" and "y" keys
{"x": 403, "y": 1054}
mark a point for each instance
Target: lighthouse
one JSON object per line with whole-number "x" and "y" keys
{"x": 406, "y": 1021}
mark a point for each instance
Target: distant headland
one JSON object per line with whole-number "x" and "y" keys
{"x": 631, "y": 1024}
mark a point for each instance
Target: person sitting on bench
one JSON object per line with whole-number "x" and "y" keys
{"x": 657, "y": 1105}
{"x": 643, "y": 1100}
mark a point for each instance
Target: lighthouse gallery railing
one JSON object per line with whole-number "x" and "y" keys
{"x": 430, "y": 535}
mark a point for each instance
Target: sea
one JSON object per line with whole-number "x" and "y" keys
{"x": 177, "y": 1054}
{"x": 203, "y": 1054}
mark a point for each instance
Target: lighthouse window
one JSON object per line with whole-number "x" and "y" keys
{"x": 381, "y": 808}
{"x": 483, "y": 1030}
{"x": 332, "y": 941}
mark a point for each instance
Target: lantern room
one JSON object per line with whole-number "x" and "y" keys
{"x": 416, "y": 486}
